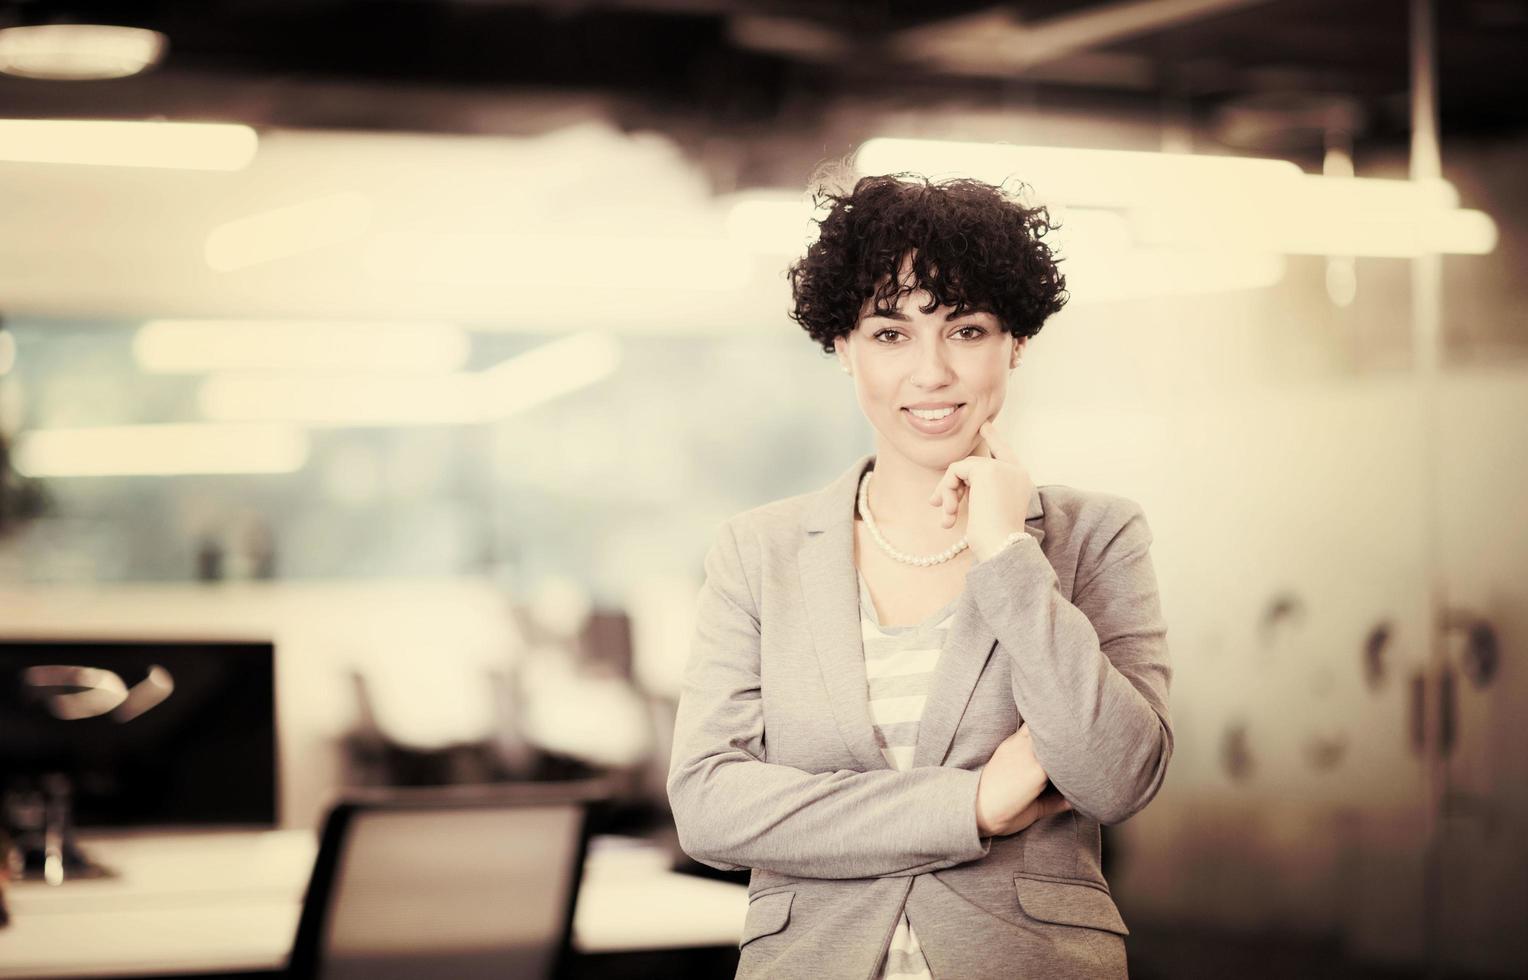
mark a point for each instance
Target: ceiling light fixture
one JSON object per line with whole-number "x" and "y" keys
{"x": 514, "y": 385}
{"x": 173, "y": 346}
{"x": 282, "y": 232}
{"x": 114, "y": 143}
{"x": 78, "y": 52}
{"x": 161, "y": 450}
{"x": 1200, "y": 201}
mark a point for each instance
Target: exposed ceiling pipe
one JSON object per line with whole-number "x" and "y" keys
{"x": 993, "y": 42}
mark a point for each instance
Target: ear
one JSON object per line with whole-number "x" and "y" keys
{"x": 841, "y": 349}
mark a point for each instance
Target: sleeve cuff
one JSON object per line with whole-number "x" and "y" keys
{"x": 999, "y": 579}
{"x": 962, "y": 816}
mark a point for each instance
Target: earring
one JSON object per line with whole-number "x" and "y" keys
{"x": 846, "y": 369}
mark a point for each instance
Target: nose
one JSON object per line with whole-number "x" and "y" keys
{"x": 933, "y": 367}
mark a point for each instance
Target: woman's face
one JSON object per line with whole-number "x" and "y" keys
{"x": 904, "y": 359}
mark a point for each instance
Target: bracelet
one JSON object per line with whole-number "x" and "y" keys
{"x": 1015, "y": 536}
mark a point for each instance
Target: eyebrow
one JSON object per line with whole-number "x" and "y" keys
{"x": 899, "y": 315}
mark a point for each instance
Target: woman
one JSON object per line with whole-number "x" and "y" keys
{"x": 914, "y": 695}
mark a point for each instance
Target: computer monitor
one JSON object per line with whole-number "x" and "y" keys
{"x": 138, "y": 733}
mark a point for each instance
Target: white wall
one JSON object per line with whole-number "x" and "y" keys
{"x": 1266, "y": 471}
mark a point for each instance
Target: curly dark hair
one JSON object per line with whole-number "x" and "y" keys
{"x": 973, "y": 247}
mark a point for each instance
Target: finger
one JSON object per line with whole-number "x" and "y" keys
{"x": 948, "y": 485}
{"x": 942, "y": 495}
{"x": 952, "y": 514}
{"x": 997, "y": 444}
{"x": 960, "y": 471}
{"x": 952, "y": 478}
{"x": 952, "y": 504}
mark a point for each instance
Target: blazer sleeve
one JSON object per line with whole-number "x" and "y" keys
{"x": 1090, "y": 676}
{"x": 733, "y": 810}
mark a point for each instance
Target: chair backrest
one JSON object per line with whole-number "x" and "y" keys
{"x": 449, "y": 882}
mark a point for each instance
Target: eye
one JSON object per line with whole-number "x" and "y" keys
{"x": 980, "y": 331}
{"x": 884, "y": 330}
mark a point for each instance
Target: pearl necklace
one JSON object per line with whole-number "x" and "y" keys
{"x": 875, "y": 532}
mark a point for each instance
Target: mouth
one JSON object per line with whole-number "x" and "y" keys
{"x": 944, "y": 421}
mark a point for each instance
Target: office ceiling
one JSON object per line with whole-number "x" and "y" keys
{"x": 743, "y": 95}
{"x": 1264, "y": 75}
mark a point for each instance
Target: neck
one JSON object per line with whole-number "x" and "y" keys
{"x": 899, "y": 499}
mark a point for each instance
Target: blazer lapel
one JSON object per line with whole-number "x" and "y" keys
{"x": 830, "y": 589}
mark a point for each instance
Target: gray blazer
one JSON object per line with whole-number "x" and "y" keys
{"x": 775, "y": 766}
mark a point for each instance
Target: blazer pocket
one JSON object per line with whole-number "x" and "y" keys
{"x": 767, "y": 915}
{"x": 1070, "y": 903}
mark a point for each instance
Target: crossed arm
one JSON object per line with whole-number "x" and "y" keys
{"x": 1090, "y": 676}
{"x": 734, "y": 811}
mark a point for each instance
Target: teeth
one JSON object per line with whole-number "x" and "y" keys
{"x": 932, "y": 415}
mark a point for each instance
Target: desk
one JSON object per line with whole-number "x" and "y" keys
{"x": 203, "y": 902}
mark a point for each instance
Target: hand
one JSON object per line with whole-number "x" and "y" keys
{"x": 1012, "y": 792}
{"x": 997, "y": 487}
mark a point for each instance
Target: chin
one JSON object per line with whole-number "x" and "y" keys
{"x": 933, "y": 455}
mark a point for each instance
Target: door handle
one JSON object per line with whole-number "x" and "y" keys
{"x": 1448, "y": 711}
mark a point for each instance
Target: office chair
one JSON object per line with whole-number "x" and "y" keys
{"x": 460, "y": 882}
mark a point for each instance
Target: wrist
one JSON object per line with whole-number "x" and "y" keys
{"x": 982, "y": 827}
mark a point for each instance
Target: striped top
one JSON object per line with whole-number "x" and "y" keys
{"x": 900, "y": 663}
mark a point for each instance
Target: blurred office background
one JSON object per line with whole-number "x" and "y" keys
{"x": 438, "y": 360}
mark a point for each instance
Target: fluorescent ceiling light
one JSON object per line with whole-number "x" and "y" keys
{"x": 1191, "y": 201}
{"x": 287, "y": 231}
{"x": 512, "y": 386}
{"x": 1082, "y": 177}
{"x": 78, "y": 52}
{"x": 193, "y": 346}
{"x": 770, "y": 222}
{"x": 108, "y": 143}
{"x": 1344, "y": 216}
{"x": 160, "y": 450}
{"x": 341, "y": 400}
{"x": 1402, "y": 234}
{"x": 577, "y": 262}
{"x": 1103, "y": 264}
{"x": 545, "y": 373}
{"x": 1144, "y": 273}
{"x": 1091, "y": 230}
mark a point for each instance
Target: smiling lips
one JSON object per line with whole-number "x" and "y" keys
{"x": 933, "y": 420}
